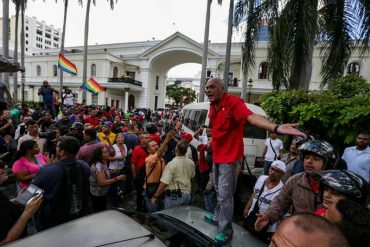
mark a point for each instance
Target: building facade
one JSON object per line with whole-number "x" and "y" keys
{"x": 134, "y": 74}
{"x": 38, "y": 35}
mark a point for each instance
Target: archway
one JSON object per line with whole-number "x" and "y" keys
{"x": 161, "y": 64}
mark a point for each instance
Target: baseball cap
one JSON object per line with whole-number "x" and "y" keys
{"x": 108, "y": 124}
{"x": 65, "y": 113}
{"x": 279, "y": 165}
{"x": 186, "y": 136}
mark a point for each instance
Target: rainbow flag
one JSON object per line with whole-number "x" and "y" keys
{"x": 65, "y": 65}
{"x": 92, "y": 86}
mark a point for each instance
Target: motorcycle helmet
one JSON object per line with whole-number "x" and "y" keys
{"x": 322, "y": 149}
{"x": 348, "y": 183}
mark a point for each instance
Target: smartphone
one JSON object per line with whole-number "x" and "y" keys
{"x": 25, "y": 196}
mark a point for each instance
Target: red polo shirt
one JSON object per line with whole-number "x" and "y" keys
{"x": 227, "y": 129}
{"x": 94, "y": 121}
{"x": 138, "y": 157}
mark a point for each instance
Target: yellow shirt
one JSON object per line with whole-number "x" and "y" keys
{"x": 111, "y": 136}
{"x": 153, "y": 162}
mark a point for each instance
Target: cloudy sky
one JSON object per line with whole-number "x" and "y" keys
{"x": 134, "y": 20}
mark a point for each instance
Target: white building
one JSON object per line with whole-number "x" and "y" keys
{"x": 135, "y": 74}
{"x": 38, "y": 35}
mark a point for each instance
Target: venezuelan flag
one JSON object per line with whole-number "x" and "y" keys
{"x": 65, "y": 65}
{"x": 92, "y": 86}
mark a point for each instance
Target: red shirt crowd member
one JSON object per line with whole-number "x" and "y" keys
{"x": 92, "y": 119}
{"x": 228, "y": 115}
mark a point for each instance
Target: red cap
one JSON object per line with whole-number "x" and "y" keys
{"x": 187, "y": 136}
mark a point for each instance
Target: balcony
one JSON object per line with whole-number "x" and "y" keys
{"x": 127, "y": 80}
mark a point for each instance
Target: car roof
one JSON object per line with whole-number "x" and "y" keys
{"x": 194, "y": 217}
{"x": 93, "y": 230}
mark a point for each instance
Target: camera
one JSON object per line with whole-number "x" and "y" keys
{"x": 50, "y": 134}
{"x": 25, "y": 196}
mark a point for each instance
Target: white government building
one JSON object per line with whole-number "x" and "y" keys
{"x": 134, "y": 74}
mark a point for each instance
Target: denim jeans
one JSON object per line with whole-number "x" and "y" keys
{"x": 171, "y": 202}
{"x": 210, "y": 201}
{"x": 225, "y": 180}
{"x": 153, "y": 208}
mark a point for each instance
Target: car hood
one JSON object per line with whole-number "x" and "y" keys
{"x": 194, "y": 217}
{"x": 93, "y": 230}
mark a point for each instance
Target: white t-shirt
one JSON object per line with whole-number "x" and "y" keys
{"x": 277, "y": 144}
{"x": 68, "y": 99}
{"x": 266, "y": 198}
{"x": 118, "y": 164}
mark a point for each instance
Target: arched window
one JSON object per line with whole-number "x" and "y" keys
{"x": 353, "y": 69}
{"x": 93, "y": 69}
{"x": 115, "y": 72}
{"x": 55, "y": 70}
{"x": 38, "y": 70}
{"x": 263, "y": 72}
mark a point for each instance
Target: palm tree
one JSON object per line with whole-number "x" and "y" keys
{"x": 294, "y": 24}
{"x": 6, "y": 36}
{"x": 228, "y": 45}
{"x": 63, "y": 40}
{"x": 86, "y": 37}
{"x": 23, "y": 74}
{"x": 205, "y": 51}
{"x": 17, "y": 4}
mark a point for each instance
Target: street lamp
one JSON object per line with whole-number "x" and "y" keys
{"x": 250, "y": 85}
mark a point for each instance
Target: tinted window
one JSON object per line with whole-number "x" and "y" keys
{"x": 251, "y": 131}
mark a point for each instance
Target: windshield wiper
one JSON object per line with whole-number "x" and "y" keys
{"x": 150, "y": 236}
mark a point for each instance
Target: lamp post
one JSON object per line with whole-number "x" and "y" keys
{"x": 250, "y": 85}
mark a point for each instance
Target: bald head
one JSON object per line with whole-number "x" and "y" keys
{"x": 214, "y": 90}
{"x": 305, "y": 229}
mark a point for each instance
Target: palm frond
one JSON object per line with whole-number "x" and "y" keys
{"x": 364, "y": 25}
{"x": 338, "y": 37}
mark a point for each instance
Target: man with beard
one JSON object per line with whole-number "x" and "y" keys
{"x": 358, "y": 157}
{"x": 66, "y": 186}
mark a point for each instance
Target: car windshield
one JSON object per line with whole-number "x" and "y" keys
{"x": 172, "y": 232}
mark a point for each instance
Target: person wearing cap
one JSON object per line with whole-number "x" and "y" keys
{"x": 107, "y": 136}
{"x": 265, "y": 190}
{"x": 301, "y": 193}
{"x": 64, "y": 123}
{"x": 191, "y": 152}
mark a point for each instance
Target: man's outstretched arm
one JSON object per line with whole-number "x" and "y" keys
{"x": 284, "y": 129}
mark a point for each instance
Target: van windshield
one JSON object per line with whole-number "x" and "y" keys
{"x": 253, "y": 132}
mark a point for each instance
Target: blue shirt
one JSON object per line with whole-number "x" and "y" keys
{"x": 358, "y": 161}
{"x": 47, "y": 95}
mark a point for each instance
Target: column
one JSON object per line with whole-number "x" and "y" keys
{"x": 127, "y": 90}
{"x": 144, "y": 96}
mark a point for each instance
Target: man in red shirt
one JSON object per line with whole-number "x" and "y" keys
{"x": 138, "y": 169}
{"x": 228, "y": 115}
{"x": 92, "y": 119}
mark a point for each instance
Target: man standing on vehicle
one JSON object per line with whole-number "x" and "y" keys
{"x": 228, "y": 115}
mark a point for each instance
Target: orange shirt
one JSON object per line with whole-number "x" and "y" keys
{"x": 153, "y": 162}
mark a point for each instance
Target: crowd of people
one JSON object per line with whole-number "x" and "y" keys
{"x": 87, "y": 158}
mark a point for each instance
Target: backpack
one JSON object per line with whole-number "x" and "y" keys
{"x": 71, "y": 200}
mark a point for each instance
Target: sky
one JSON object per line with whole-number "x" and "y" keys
{"x": 135, "y": 20}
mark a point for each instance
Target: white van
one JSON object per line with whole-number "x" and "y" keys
{"x": 196, "y": 115}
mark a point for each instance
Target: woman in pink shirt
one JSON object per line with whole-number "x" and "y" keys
{"x": 28, "y": 161}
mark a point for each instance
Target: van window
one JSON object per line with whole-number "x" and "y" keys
{"x": 253, "y": 132}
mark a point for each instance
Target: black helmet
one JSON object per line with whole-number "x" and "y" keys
{"x": 347, "y": 183}
{"x": 322, "y": 149}
{"x": 77, "y": 125}
{"x": 151, "y": 128}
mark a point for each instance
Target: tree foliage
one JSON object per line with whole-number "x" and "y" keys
{"x": 336, "y": 115}
{"x": 180, "y": 95}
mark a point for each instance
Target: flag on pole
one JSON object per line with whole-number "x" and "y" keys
{"x": 65, "y": 65}
{"x": 92, "y": 86}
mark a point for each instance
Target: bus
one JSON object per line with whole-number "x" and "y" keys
{"x": 196, "y": 114}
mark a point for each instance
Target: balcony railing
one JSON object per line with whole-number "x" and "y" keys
{"x": 127, "y": 80}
